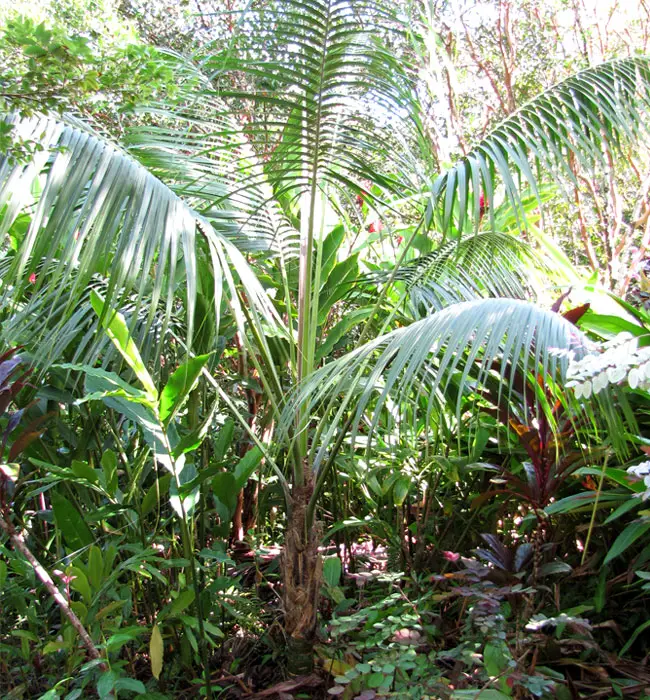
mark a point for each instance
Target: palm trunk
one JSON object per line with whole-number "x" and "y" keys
{"x": 302, "y": 569}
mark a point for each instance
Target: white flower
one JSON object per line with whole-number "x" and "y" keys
{"x": 634, "y": 378}
{"x": 618, "y": 340}
{"x": 600, "y": 382}
{"x": 640, "y": 470}
{"x": 615, "y": 374}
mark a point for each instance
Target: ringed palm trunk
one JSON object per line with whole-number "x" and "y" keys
{"x": 302, "y": 574}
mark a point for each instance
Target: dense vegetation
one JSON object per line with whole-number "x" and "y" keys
{"x": 324, "y": 349}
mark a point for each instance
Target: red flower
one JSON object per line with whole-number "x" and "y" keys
{"x": 451, "y": 556}
{"x": 482, "y": 206}
{"x": 360, "y": 200}
{"x": 32, "y": 278}
{"x": 399, "y": 239}
{"x": 376, "y": 227}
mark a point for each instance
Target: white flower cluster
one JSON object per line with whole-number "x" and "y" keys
{"x": 642, "y": 471}
{"x": 622, "y": 359}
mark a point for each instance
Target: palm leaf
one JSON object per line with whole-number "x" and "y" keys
{"x": 489, "y": 264}
{"x": 94, "y": 212}
{"x": 324, "y": 78}
{"x": 578, "y": 119}
{"x": 406, "y": 372}
{"x": 203, "y": 155}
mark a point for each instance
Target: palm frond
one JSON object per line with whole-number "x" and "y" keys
{"x": 404, "y": 375}
{"x": 203, "y": 155}
{"x": 577, "y": 120}
{"x": 488, "y": 264}
{"x": 327, "y": 83}
{"x": 82, "y": 208}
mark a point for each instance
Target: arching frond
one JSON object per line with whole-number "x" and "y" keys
{"x": 578, "y": 119}
{"x": 82, "y": 207}
{"x": 489, "y": 264}
{"x": 409, "y": 370}
{"x": 204, "y": 156}
{"x": 327, "y": 84}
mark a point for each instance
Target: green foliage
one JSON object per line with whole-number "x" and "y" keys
{"x": 252, "y": 321}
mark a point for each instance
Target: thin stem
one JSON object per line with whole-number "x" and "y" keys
{"x": 387, "y": 286}
{"x": 593, "y": 512}
{"x": 19, "y": 543}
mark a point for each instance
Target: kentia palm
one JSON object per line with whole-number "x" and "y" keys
{"x": 100, "y": 212}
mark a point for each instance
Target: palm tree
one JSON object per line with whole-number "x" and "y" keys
{"x": 177, "y": 223}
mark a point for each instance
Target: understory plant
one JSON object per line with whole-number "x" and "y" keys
{"x": 245, "y": 218}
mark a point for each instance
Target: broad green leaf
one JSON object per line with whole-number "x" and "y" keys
{"x": 349, "y": 321}
{"x": 400, "y": 490}
{"x": 485, "y": 694}
{"x": 107, "y": 383}
{"x": 584, "y": 500}
{"x": 75, "y": 532}
{"x": 80, "y": 583}
{"x": 95, "y": 566}
{"x": 554, "y": 567}
{"x": 179, "y": 386}
{"x": 246, "y": 466}
{"x": 331, "y": 246}
{"x": 84, "y": 471}
{"x": 374, "y": 680}
{"x": 159, "y": 489}
{"x": 332, "y": 571}
{"x": 339, "y": 283}
{"x": 130, "y": 684}
{"x": 110, "y": 555}
{"x": 619, "y": 476}
{"x": 156, "y": 652}
{"x": 188, "y": 499}
{"x": 626, "y": 507}
{"x": 225, "y": 491}
{"x": 106, "y": 685}
{"x": 108, "y": 609}
{"x": 224, "y": 439}
{"x": 190, "y": 441}
{"x": 213, "y": 630}
{"x": 123, "y": 636}
{"x": 117, "y": 330}
{"x": 131, "y": 403}
{"x": 109, "y": 466}
{"x": 627, "y": 538}
{"x": 608, "y": 326}
{"x": 182, "y": 602}
{"x": 494, "y": 659}
{"x": 25, "y": 634}
{"x": 80, "y": 610}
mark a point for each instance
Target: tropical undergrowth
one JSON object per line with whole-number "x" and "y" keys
{"x": 287, "y": 409}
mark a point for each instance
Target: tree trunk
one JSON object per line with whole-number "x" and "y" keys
{"x": 302, "y": 573}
